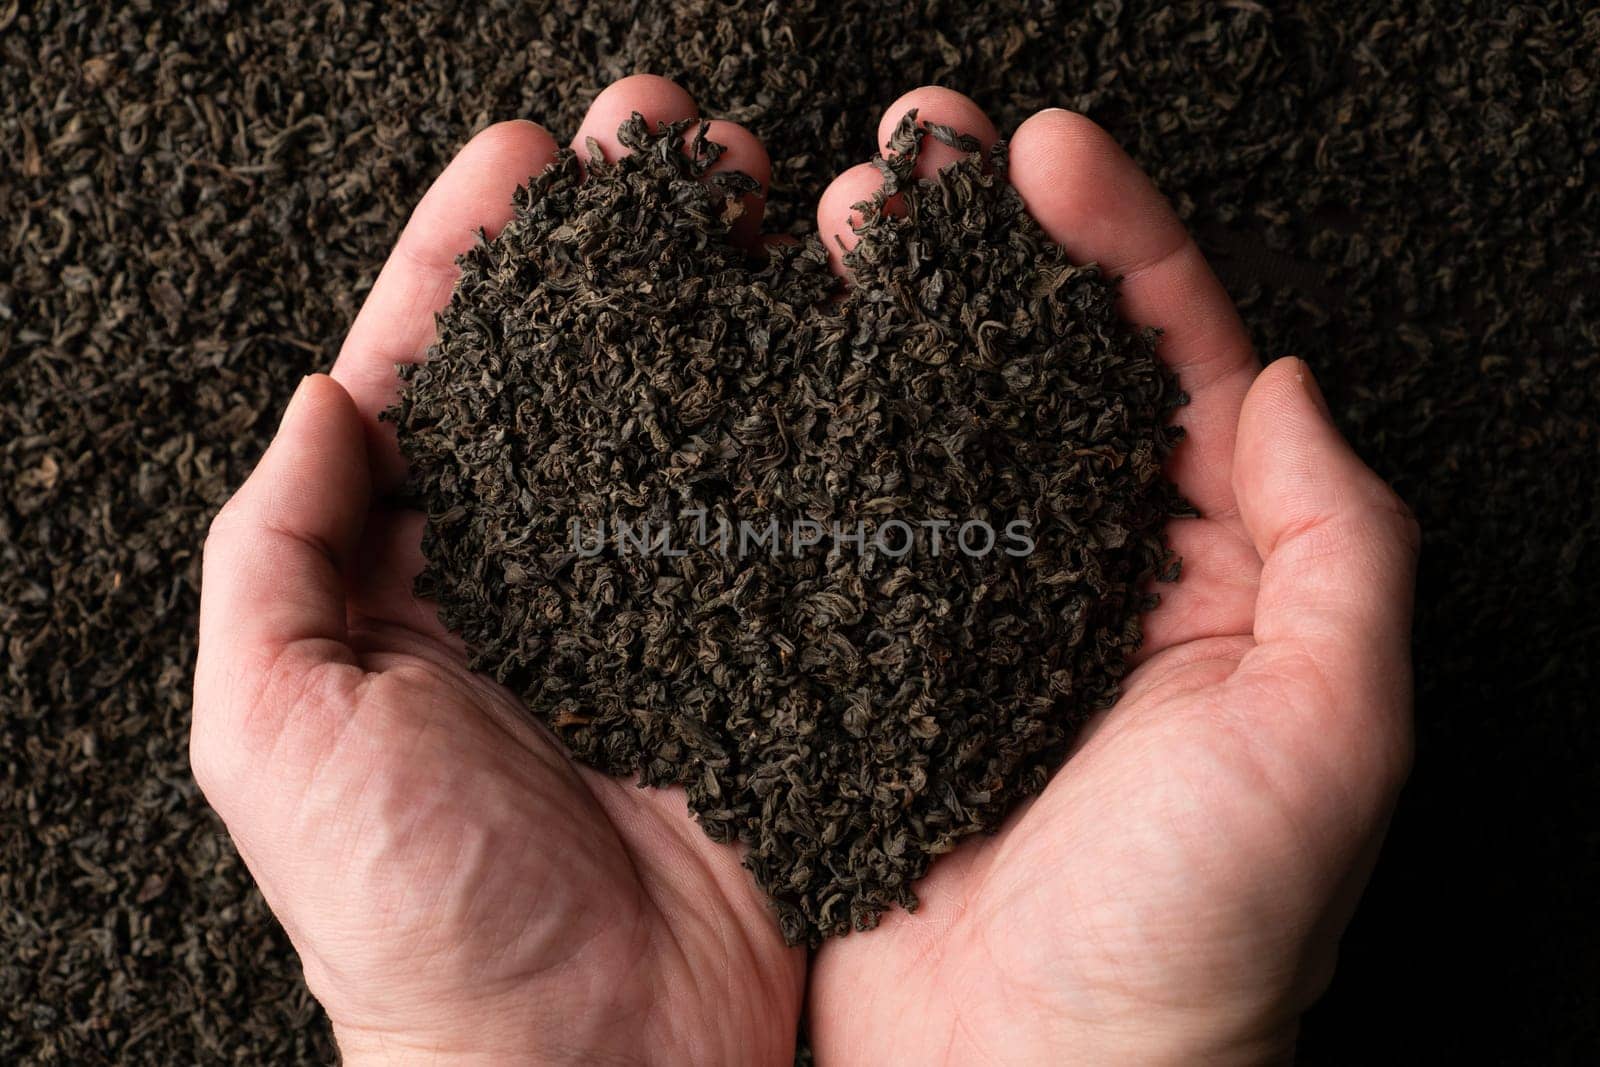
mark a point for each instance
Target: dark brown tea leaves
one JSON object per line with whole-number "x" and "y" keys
{"x": 852, "y": 572}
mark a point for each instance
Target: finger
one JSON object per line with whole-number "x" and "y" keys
{"x": 939, "y": 106}
{"x": 1096, "y": 202}
{"x": 272, "y": 598}
{"x": 275, "y": 553}
{"x": 659, "y": 100}
{"x": 1215, "y": 595}
{"x": 1339, "y": 554}
{"x": 382, "y": 589}
{"x": 655, "y": 98}
{"x": 395, "y": 324}
{"x": 837, "y": 218}
{"x": 743, "y": 151}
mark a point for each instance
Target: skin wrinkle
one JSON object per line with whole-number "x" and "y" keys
{"x": 997, "y": 965}
{"x": 1173, "y": 672}
{"x": 391, "y": 547}
{"x": 346, "y": 724}
{"x": 273, "y": 679}
{"x": 371, "y": 639}
{"x": 960, "y": 1027}
{"x": 1131, "y": 273}
{"x": 446, "y": 859}
{"x": 467, "y": 906}
{"x": 427, "y": 275}
{"x": 728, "y": 906}
{"x": 674, "y": 1022}
{"x": 1395, "y": 768}
{"x": 1285, "y": 784}
{"x": 486, "y": 698}
{"x": 569, "y": 961}
{"x": 1098, "y": 937}
{"x": 348, "y": 857}
{"x": 646, "y": 899}
{"x": 556, "y": 963}
{"x": 1194, "y": 384}
{"x": 1263, "y": 786}
{"x": 1214, "y": 596}
{"x": 270, "y": 542}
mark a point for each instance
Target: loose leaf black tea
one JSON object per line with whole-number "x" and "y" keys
{"x": 852, "y": 572}
{"x": 1403, "y": 195}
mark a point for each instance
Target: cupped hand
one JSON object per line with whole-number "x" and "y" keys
{"x": 456, "y": 886}
{"x": 457, "y": 889}
{"x": 1175, "y": 895}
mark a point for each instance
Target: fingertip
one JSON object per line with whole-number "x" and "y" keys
{"x": 1061, "y": 123}
{"x": 475, "y": 192}
{"x": 660, "y": 100}
{"x": 1088, "y": 195}
{"x": 514, "y": 140}
{"x": 314, "y": 476}
{"x": 1279, "y": 403}
{"x": 940, "y": 106}
{"x": 1280, "y": 435}
{"x": 744, "y": 152}
{"x": 836, "y": 216}
{"x": 1294, "y": 470}
{"x": 321, "y": 400}
{"x": 655, "y": 98}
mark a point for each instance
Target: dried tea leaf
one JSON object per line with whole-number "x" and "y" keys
{"x": 971, "y": 441}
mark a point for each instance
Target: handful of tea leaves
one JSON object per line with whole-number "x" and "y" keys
{"x": 851, "y": 572}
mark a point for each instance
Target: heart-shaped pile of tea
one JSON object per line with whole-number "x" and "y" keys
{"x": 852, "y": 571}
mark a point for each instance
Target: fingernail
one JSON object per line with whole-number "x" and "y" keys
{"x": 1313, "y": 390}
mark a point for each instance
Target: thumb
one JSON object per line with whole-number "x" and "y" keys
{"x": 272, "y": 600}
{"x": 1339, "y": 553}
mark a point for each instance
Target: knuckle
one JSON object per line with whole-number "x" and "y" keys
{"x": 205, "y": 761}
{"x": 221, "y": 525}
{"x": 1377, "y": 506}
{"x": 1407, "y": 530}
{"x": 1395, "y": 764}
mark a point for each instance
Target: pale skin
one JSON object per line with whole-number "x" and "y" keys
{"x": 459, "y": 891}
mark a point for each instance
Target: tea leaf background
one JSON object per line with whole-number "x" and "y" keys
{"x": 194, "y": 199}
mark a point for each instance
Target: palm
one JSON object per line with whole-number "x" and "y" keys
{"x": 449, "y": 857}
{"x": 1203, "y": 842}
{"x": 1198, "y": 832}
{"x": 1162, "y": 856}
{"x": 534, "y": 861}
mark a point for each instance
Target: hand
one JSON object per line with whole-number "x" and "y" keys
{"x": 455, "y": 886}
{"x": 1188, "y": 871}
{"x": 1177, "y": 892}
